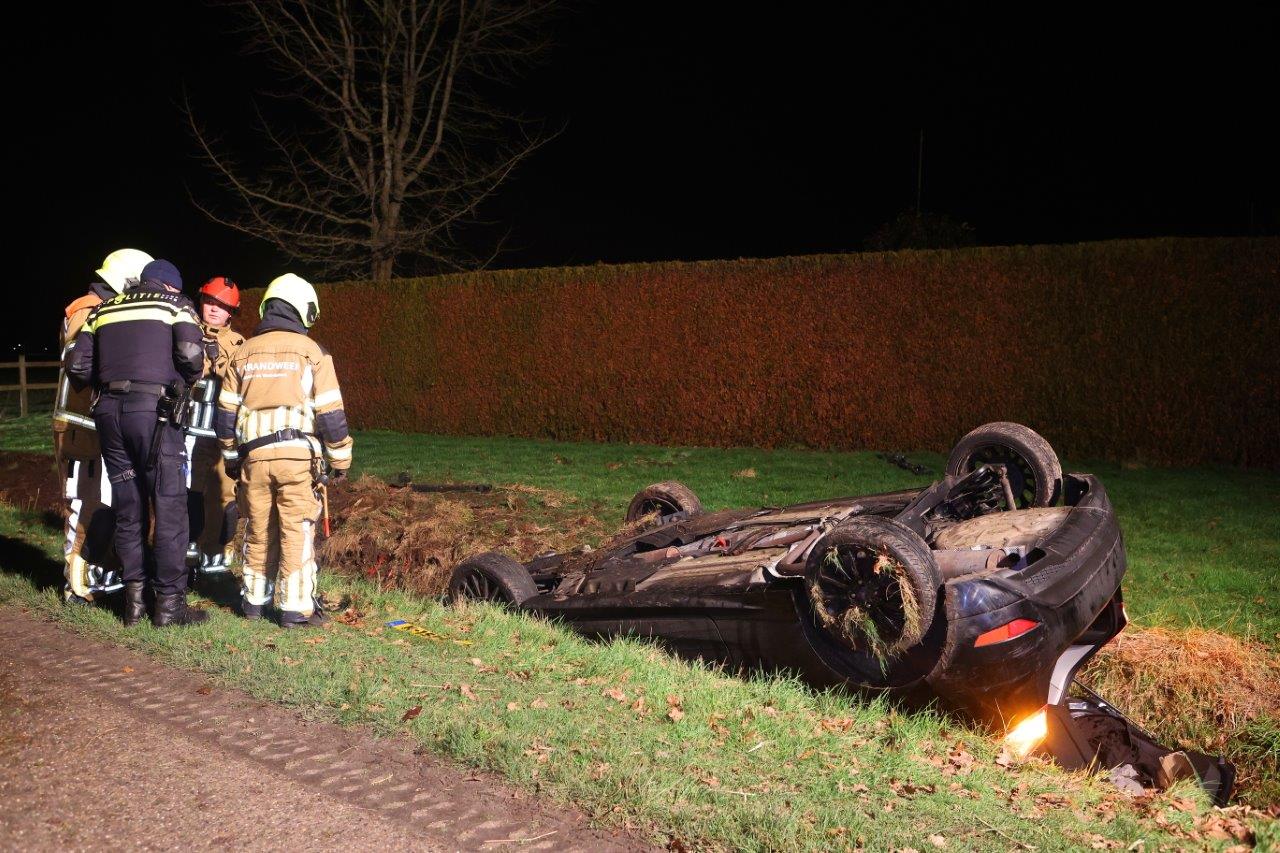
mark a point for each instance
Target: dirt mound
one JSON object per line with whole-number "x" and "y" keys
{"x": 30, "y": 481}
{"x": 1203, "y": 690}
{"x": 412, "y": 540}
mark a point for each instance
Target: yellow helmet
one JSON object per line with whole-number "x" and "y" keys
{"x": 296, "y": 291}
{"x": 122, "y": 265}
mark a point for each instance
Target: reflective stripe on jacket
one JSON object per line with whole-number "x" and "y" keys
{"x": 147, "y": 334}
{"x": 71, "y": 407}
{"x": 283, "y": 380}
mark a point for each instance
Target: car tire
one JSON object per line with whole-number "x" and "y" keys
{"x": 491, "y": 577}
{"x": 859, "y": 545}
{"x": 1035, "y": 473}
{"x": 665, "y": 499}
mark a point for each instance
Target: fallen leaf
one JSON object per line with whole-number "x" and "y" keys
{"x": 465, "y": 690}
{"x": 938, "y": 840}
{"x": 513, "y": 706}
{"x": 205, "y": 690}
{"x": 960, "y": 763}
{"x": 676, "y": 715}
{"x": 909, "y": 789}
{"x": 127, "y": 669}
{"x": 539, "y": 703}
{"x": 411, "y": 714}
{"x": 615, "y": 694}
{"x": 1052, "y": 799}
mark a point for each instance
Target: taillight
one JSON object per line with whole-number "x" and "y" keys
{"x": 1008, "y": 631}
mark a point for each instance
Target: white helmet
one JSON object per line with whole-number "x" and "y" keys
{"x": 296, "y": 291}
{"x": 122, "y": 265}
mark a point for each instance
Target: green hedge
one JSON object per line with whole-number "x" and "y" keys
{"x": 1164, "y": 351}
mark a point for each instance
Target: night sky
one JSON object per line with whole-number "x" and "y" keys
{"x": 689, "y": 131}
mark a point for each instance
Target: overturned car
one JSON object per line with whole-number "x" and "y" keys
{"x": 984, "y": 592}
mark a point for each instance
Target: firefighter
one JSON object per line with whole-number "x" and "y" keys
{"x": 214, "y": 493}
{"x": 279, "y": 420}
{"x": 88, "y": 562}
{"x": 141, "y": 351}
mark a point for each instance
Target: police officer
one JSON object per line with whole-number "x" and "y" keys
{"x": 89, "y": 566}
{"x": 280, "y": 408}
{"x": 214, "y": 493}
{"x": 136, "y": 349}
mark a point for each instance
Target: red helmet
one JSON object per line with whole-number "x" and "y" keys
{"x": 221, "y": 291}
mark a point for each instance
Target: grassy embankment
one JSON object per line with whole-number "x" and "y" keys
{"x": 681, "y": 751}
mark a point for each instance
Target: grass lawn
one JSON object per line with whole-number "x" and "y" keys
{"x": 680, "y": 751}
{"x": 1203, "y": 543}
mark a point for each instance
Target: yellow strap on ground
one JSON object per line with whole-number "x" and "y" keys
{"x": 424, "y": 633}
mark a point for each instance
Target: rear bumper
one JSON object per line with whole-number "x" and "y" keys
{"x": 1070, "y": 589}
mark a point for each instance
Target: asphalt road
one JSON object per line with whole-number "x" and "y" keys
{"x": 104, "y": 748}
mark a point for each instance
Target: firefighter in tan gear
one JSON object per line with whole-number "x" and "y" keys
{"x": 89, "y": 561}
{"x": 279, "y": 420}
{"x": 213, "y": 492}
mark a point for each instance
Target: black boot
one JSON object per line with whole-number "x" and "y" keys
{"x": 252, "y": 612}
{"x": 173, "y": 610}
{"x": 135, "y": 607}
{"x": 297, "y": 620}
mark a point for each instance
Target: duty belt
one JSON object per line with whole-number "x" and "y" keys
{"x": 272, "y": 438}
{"x": 127, "y": 386}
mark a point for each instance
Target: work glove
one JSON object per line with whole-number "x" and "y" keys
{"x": 232, "y": 467}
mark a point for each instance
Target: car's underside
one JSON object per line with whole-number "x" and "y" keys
{"x": 984, "y": 592}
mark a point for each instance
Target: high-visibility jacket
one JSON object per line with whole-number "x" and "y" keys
{"x": 283, "y": 380}
{"x": 71, "y": 407}
{"x": 147, "y": 335}
{"x": 220, "y": 343}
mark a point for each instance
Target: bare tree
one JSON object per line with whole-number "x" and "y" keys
{"x": 398, "y": 144}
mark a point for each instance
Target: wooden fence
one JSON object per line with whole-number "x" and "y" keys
{"x": 23, "y": 385}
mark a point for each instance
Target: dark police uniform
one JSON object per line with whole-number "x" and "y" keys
{"x": 129, "y": 349}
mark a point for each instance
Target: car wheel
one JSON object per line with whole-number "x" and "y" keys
{"x": 491, "y": 577}
{"x": 1035, "y": 475}
{"x": 873, "y": 585}
{"x": 664, "y": 499}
